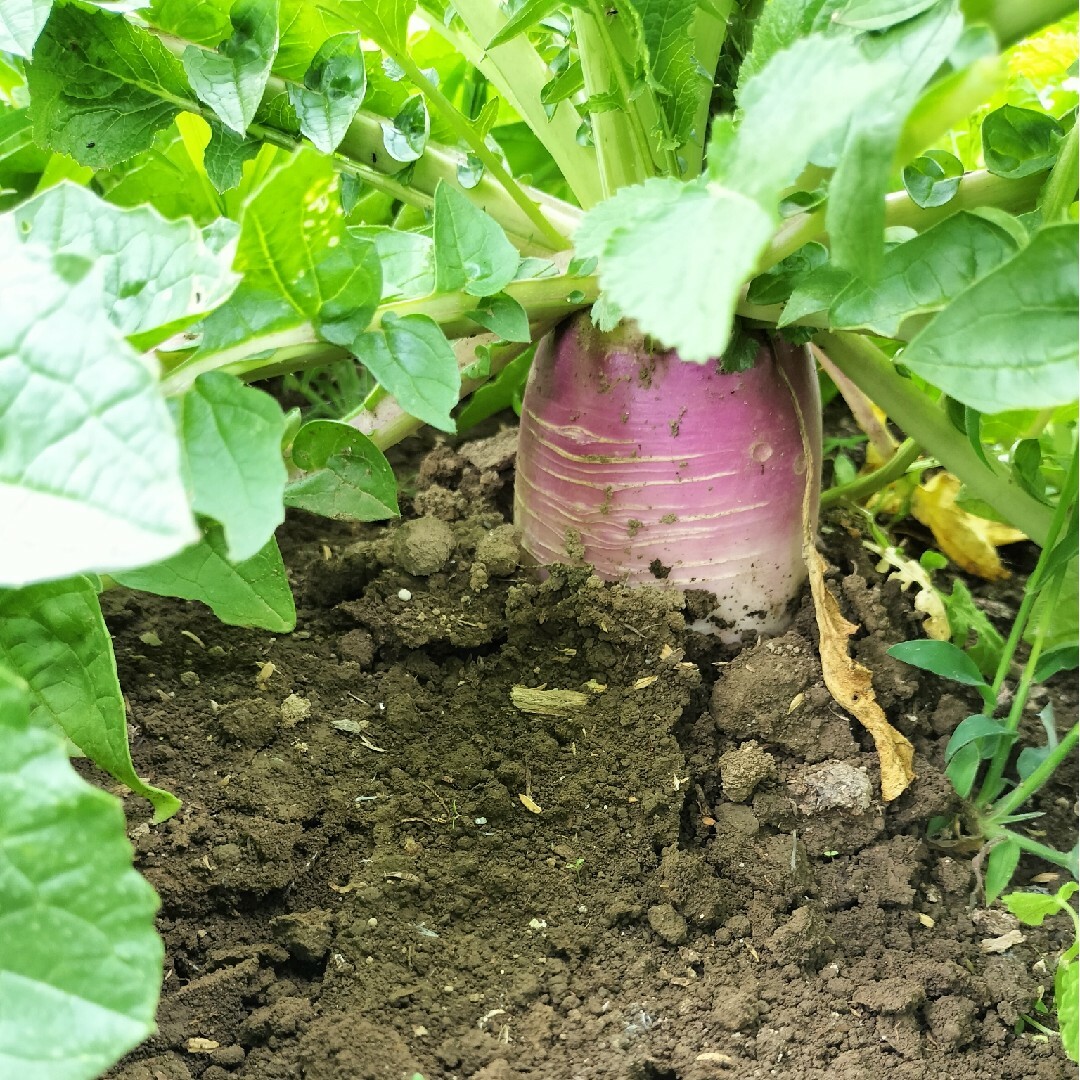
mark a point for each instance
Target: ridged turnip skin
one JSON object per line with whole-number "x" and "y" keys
{"x": 659, "y": 471}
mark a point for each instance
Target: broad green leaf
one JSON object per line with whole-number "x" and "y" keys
{"x": 230, "y": 436}
{"x": 81, "y": 965}
{"x": 676, "y": 268}
{"x": 346, "y": 476}
{"x": 879, "y": 14}
{"x": 304, "y": 28}
{"x": 103, "y": 100}
{"x": 1009, "y": 341}
{"x": 1032, "y": 908}
{"x": 299, "y": 263}
{"x": 1019, "y": 142}
{"x": 940, "y": 657}
{"x": 933, "y": 179}
{"x": 966, "y": 618}
{"x": 1001, "y": 864}
{"x": 386, "y": 22}
{"x": 407, "y": 259}
{"x": 975, "y": 728}
{"x": 231, "y": 80}
{"x": 1062, "y": 658}
{"x": 412, "y": 360}
{"x": 204, "y": 22}
{"x": 855, "y": 214}
{"x": 157, "y": 273}
{"x": 472, "y": 252}
{"x": 225, "y": 155}
{"x": 503, "y": 316}
{"x": 332, "y": 91}
{"x": 666, "y": 31}
{"x": 526, "y": 17}
{"x": 406, "y": 136}
{"x": 90, "y": 474}
{"x": 814, "y": 293}
{"x": 802, "y": 95}
{"x": 924, "y": 274}
{"x": 254, "y": 592}
{"x": 54, "y": 638}
{"x": 963, "y": 768}
{"x": 21, "y": 21}
{"x": 780, "y": 24}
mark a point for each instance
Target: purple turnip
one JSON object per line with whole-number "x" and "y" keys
{"x": 654, "y": 470}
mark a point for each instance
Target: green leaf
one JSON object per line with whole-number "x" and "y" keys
{"x": 299, "y": 263}
{"x": 1019, "y": 142}
{"x": 503, "y": 316}
{"x": 967, "y": 618}
{"x": 933, "y": 179}
{"x": 1009, "y": 341}
{"x": 941, "y": 658}
{"x": 855, "y": 214}
{"x": 225, "y": 155}
{"x": 232, "y": 79}
{"x": 1032, "y": 908}
{"x": 81, "y": 966}
{"x": 53, "y": 637}
{"x": 472, "y": 252}
{"x": 814, "y": 293}
{"x": 254, "y": 592}
{"x": 386, "y": 22}
{"x": 564, "y": 85}
{"x": 963, "y": 769}
{"x": 230, "y": 437}
{"x": 100, "y": 87}
{"x": 406, "y": 136}
{"x": 205, "y": 22}
{"x": 21, "y": 21}
{"x": 407, "y": 260}
{"x": 90, "y": 474}
{"x": 879, "y": 14}
{"x": 924, "y": 274}
{"x": 1063, "y": 658}
{"x": 1067, "y": 1003}
{"x": 1001, "y": 864}
{"x": 526, "y": 17}
{"x": 158, "y": 275}
{"x": 412, "y": 360}
{"x": 677, "y": 259}
{"x": 776, "y": 285}
{"x": 975, "y": 728}
{"x": 332, "y": 92}
{"x": 346, "y": 476}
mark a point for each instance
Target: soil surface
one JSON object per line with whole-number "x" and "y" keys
{"x": 462, "y": 823}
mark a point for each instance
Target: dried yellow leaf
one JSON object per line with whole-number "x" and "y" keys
{"x": 665, "y": 651}
{"x": 540, "y": 702}
{"x": 201, "y": 1046}
{"x": 969, "y": 541}
{"x": 648, "y": 680}
{"x": 851, "y": 684}
{"x": 530, "y": 804}
{"x": 926, "y": 920}
{"x": 796, "y": 701}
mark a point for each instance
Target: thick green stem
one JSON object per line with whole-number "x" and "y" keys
{"x": 872, "y": 371}
{"x": 1059, "y": 193}
{"x": 865, "y": 486}
{"x": 1013, "y": 20}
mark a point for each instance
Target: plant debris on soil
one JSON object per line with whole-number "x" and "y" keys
{"x": 467, "y": 823}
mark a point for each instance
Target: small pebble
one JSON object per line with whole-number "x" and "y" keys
{"x": 404, "y": 594}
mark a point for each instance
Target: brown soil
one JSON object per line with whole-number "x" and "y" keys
{"x": 682, "y": 870}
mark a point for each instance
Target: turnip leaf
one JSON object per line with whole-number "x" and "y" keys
{"x": 471, "y": 250}
{"x": 254, "y": 592}
{"x": 406, "y": 136}
{"x": 225, "y": 155}
{"x": 527, "y": 16}
{"x": 21, "y": 21}
{"x": 332, "y": 91}
{"x": 54, "y": 637}
{"x": 81, "y": 965}
{"x": 503, "y": 316}
{"x": 411, "y": 359}
{"x": 407, "y": 259}
{"x": 347, "y": 477}
{"x": 1019, "y": 142}
{"x": 231, "y": 80}
{"x": 158, "y": 275}
{"x": 933, "y": 179}
{"x": 203, "y": 23}
{"x": 879, "y": 14}
{"x": 1009, "y": 341}
{"x": 103, "y": 101}
{"x": 89, "y": 466}
{"x": 924, "y": 274}
{"x": 230, "y": 436}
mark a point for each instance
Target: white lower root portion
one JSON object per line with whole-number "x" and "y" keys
{"x": 660, "y": 472}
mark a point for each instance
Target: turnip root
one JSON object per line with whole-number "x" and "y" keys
{"x": 656, "y": 471}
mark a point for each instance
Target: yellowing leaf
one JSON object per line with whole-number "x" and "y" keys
{"x": 969, "y": 541}
{"x": 909, "y": 572}
{"x": 851, "y": 685}
{"x": 530, "y": 805}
